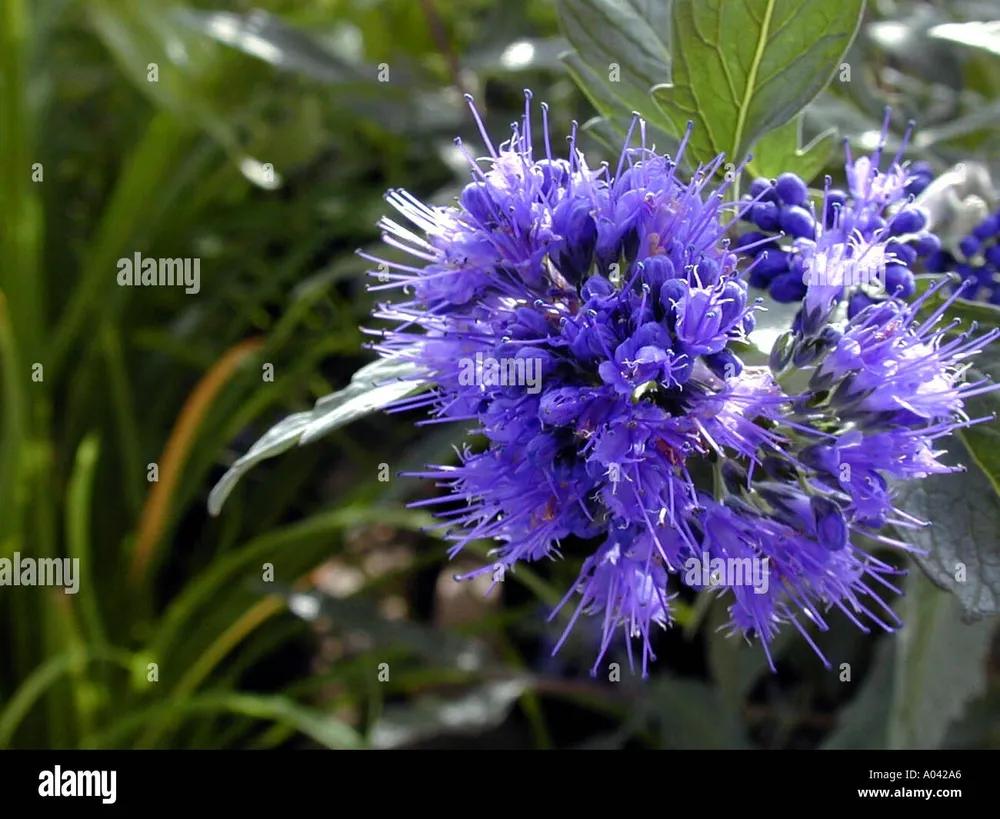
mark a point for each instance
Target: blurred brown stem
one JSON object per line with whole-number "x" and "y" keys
{"x": 440, "y": 37}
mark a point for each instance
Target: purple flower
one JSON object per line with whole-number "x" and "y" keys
{"x": 976, "y": 260}
{"x": 886, "y": 370}
{"x": 862, "y": 242}
{"x": 624, "y": 582}
{"x": 894, "y": 385}
{"x": 622, "y": 288}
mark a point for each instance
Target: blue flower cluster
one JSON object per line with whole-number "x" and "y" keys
{"x": 976, "y": 261}
{"x": 862, "y": 242}
{"x": 621, "y": 292}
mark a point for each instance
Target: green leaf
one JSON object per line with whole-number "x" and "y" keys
{"x": 983, "y": 439}
{"x": 322, "y": 728}
{"x": 267, "y": 37}
{"x": 862, "y": 722}
{"x": 689, "y": 715}
{"x": 43, "y": 678}
{"x": 736, "y": 665}
{"x": 741, "y": 68}
{"x": 78, "y": 523}
{"x": 615, "y": 119}
{"x": 983, "y": 443}
{"x": 963, "y": 555}
{"x": 372, "y": 387}
{"x": 940, "y": 664}
{"x": 624, "y": 47}
{"x": 144, "y": 38}
{"x": 778, "y": 152}
{"x": 986, "y": 315}
{"x": 922, "y": 677}
{"x": 978, "y": 729}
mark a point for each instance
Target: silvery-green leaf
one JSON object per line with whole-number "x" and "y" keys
{"x": 975, "y": 35}
{"x": 922, "y": 678}
{"x": 962, "y": 553}
{"x": 772, "y": 321}
{"x": 952, "y": 201}
{"x": 480, "y": 710}
{"x": 373, "y": 386}
{"x": 267, "y": 37}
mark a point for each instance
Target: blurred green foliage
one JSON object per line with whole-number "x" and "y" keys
{"x": 260, "y": 140}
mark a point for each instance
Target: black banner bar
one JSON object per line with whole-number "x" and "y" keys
{"x": 110, "y": 781}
